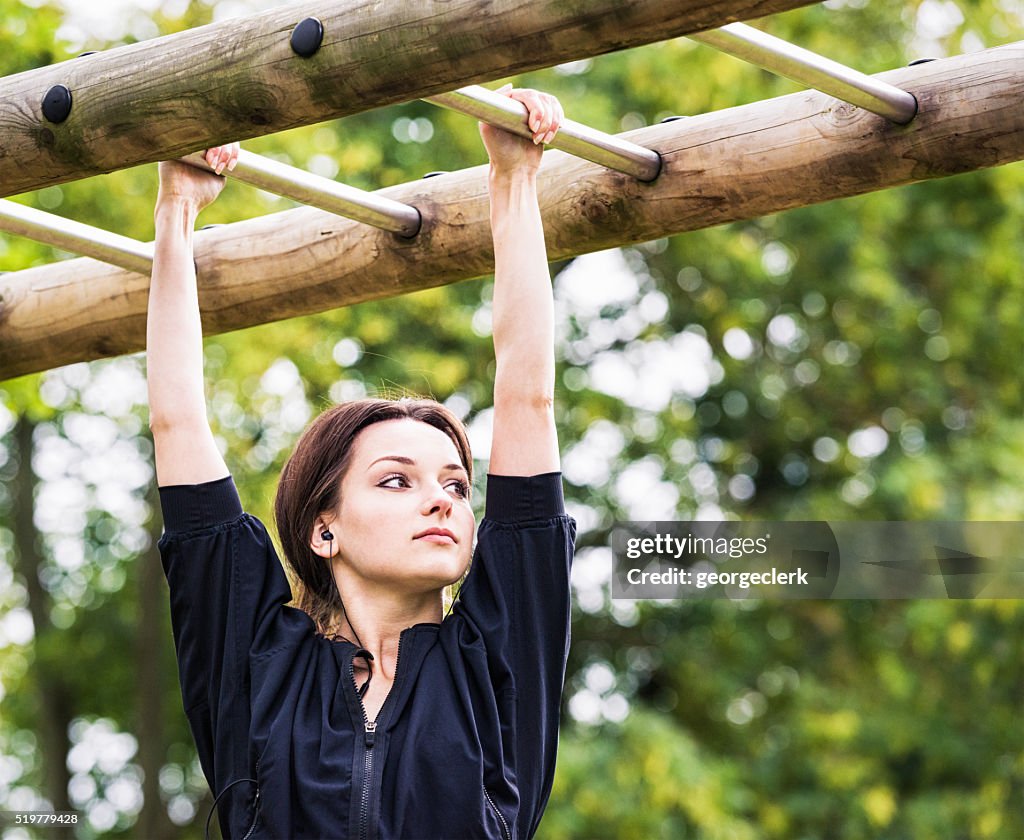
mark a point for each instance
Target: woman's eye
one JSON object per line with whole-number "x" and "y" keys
{"x": 460, "y": 487}
{"x": 394, "y": 481}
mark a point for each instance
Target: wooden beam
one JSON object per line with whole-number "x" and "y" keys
{"x": 238, "y": 79}
{"x": 720, "y": 167}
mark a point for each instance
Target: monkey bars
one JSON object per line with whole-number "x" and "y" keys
{"x": 76, "y": 237}
{"x": 735, "y": 164}
{"x": 317, "y": 191}
{"x": 572, "y": 137}
{"x": 326, "y": 194}
{"x": 247, "y": 77}
{"x": 737, "y": 39}
{"x": 67, "y": 143}
{"x": 808, "y": 68}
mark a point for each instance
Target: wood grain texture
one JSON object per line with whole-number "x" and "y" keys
{"x": 238, "y": 79}
{"x": 735, "y": 164}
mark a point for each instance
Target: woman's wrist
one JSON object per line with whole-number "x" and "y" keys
{"x": 176, "y": 205}
{"x": 526, "y": 176}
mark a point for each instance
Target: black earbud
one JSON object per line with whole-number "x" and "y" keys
{"x": 327, "y": 535}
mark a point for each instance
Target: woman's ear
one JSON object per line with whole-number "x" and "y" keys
{"x": 322, "y": 540}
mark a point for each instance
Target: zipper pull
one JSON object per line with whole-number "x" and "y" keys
{"x": 371, "y": 729}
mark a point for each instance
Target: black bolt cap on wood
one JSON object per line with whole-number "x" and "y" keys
{"x": 307, "y": 37}
{"x": 57, "y": 104}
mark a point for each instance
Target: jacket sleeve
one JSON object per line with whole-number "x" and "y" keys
{"x": 517, "y": 599}
{"x": 226, "y": 587}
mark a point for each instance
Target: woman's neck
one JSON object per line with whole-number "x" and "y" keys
{"x": 375, "y": 622}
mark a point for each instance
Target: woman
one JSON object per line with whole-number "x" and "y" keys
{"x": 366, "y": 713}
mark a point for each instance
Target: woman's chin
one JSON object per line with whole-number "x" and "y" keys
{"x": 431, "y": 578}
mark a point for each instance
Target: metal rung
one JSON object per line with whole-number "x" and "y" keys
{"x": 316, "y": 191}
{"x": 75, "y": 237}
{"x": 573, "y": 137}
{"x": 809, "y": 68}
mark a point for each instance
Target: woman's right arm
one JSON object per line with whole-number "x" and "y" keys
{"x": 185, "y": 449}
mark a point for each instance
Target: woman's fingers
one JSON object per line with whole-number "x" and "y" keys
{"x": 220, "y": 157}
{"x": 540, "y": 117}
{"x": 544, "y": 113}
{"x": 540, "y": 120}
{"x": 558, "y": 120}
{"x": 553, "y": 121}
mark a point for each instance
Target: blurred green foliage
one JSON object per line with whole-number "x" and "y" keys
{"x": 899, "y": 311}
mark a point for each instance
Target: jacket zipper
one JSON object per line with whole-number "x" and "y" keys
{"x": 501, "y": 819}
{"x": 255, "y": 805}
{"x": 370, "y": 736}
{"x": 364, "y": 807}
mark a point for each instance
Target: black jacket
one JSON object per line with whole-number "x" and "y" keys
{"x": 464, "y": 746}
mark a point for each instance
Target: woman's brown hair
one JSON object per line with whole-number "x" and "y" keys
{"x": 311, "y": 483}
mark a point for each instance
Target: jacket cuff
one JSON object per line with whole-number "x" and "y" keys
{"x": 513, "y": 498}
{"x": 191, "y": 507}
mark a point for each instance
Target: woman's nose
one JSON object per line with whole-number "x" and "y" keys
{"x": 437, "y": 499}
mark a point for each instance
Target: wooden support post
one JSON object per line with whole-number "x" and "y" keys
{"x": 240, "y": 78}
{"x": 720, "y": 167}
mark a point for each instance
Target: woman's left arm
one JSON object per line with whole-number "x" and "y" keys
{"x": 524, "y": 438}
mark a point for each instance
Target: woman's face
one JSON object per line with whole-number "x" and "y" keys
{"x": 405, "y": 519}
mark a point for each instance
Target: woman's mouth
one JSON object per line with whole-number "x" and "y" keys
{"x": 438, "y": 535}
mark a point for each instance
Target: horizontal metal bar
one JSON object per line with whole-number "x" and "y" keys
{"x": 75, "y": 237}
{"x": 573, "y": 137}
{"x": 317, "y": 191}
{"x": 809, "y": 68}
